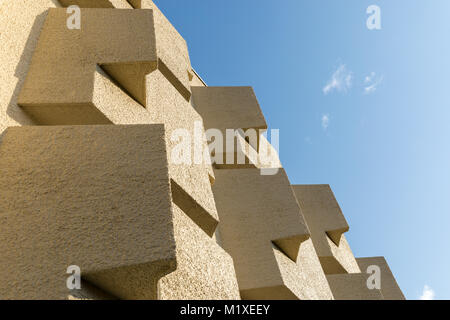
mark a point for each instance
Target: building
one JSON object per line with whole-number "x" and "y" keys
{"x": 105, "y": 165}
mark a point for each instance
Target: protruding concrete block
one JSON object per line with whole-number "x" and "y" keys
{"x": 123, "y": 42}
{"x": 262, "y": 229}
{"x": 122, "y": 4}
{"x": 327, "y": 224}
{"x": 244, "y": 155}
{"x": 173, "y": 54}
{"x": 352, "y": 287}
{"x": 318, "y": 201}
{"x": 185, "y": 131}
{"x": 389, "y": 286}
{"x": 93, "y": 196}
{"x": 228, "y": 108}
{"x": 204, "y": 270}
{"x": 236, "y": 114}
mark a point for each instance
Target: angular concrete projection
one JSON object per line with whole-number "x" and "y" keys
{"x": 107, "y": 103}
{"x": 131, "y": 203}
{"x": 352, "y": 287}
{"x": 389, "y": 286}
{"x": 262, "y": 229}
{"x": 204, "y": 270}
{"x": 122, "y": 42}
{"x": 191, "y": 177}
{"x": 173, "y": 54}
{"x": 327, "y": 224}
{"x": 120, "y": 4}
{"x": 89, "y": 292}
{"x": 246, "y": 156}
{"x": 228, "y": 108}
{"x": 93, "y": 196}
{"x": 236, "y": 108}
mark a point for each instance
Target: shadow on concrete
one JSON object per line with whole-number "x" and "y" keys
{"x": 13, "y": 110}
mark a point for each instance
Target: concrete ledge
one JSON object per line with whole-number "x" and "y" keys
{"x": 389, "y": 286}
{"x": 257, "y": 212}
{"x": 352, "y": 287}
{"x": 328, "y": 225}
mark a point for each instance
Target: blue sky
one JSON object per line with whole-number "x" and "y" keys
{"x": 385, "y": 152}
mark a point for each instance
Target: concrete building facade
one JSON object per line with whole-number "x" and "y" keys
{"x": 110, "y": 162}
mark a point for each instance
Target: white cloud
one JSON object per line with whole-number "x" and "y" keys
{"x": 372, "y": 82}
{"x": 369, "y": 78}
{"x": 341, "y": 80}
{"x": 325, "y": 121}
{"x": 427, "y": 294}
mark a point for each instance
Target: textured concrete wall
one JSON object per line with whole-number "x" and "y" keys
{"x": 204, "y": 272}
{"x": 174, "y": 61}
{"x": 86, "y": 196}
{"x": 123, "y": 42}
{"x": 229, "y": 107}
{"x": 105, "y": 99}
{"x": 263, "y": 230}
{"x": 327, "y": 224}
{"x": 107, "y": 194}
{"x": 19, "y": 33}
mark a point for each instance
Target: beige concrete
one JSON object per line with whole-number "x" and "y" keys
{"x": 91, "y": 195}
{"x": 121, "y": 41}
{"x": 305, "y": 277}
{"x": 19, "y": 33}
{"x": 327, "y": 224}
{"x": 257, "y": 213}
{"x": 89, "y": 292}
{"x": 120, "y": 4}
{"x": 235, "y": 108}
{"x": 86, "y": 196}
{"x": 88, "y": 105}
{"x": 173, "y": 55}
{"x": 174, "y": 61}
{"x": 228, "y": 108}
{"x": 244, "y": 155}
{"x": 204, "y": 271}
{"x": 192, "y": 182}
{"x": 318, "y": 201}
{"x": 196, "y": 80}
{"x": 389, "y": 286}
{"x": 352, "y": 287}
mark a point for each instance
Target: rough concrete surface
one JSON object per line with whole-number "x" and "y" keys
{"x": 352, "y": 287}
{"x": 389, "y": 286}
{"x": 86, "y": 196}
{"x": 327, "y": 224}
{"x": 90, "y": 124}
{"x": 257, "y": 213}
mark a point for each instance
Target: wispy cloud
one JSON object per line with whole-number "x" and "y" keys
{"x": 427, "y": 294}
{"x": 325, "y": 121}
{"x": 372, "y": 82}
{"x": 341, "y": 80}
